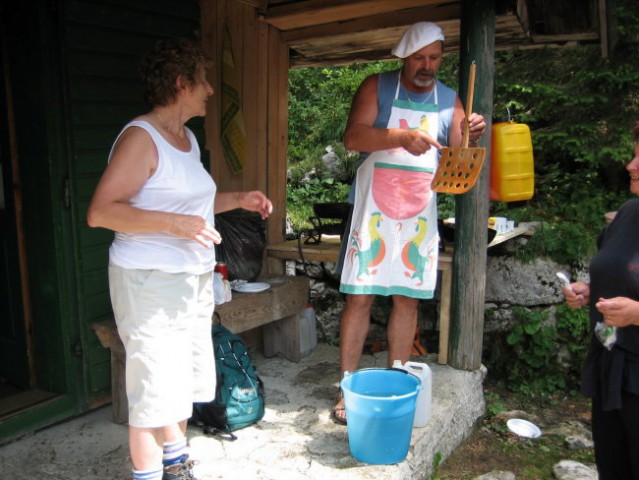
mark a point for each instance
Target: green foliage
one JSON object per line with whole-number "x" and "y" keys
{"x": 445, "y": 205}
{"x": 530, "y": 360}
{"x": 319, "y": 102}
{"x": 573, "y": 332}
{"x": 437, "y": 461}
{"x": 539, "y": 355}
{"x": 532, "y": 339}
{"x": 566, "y": 243}
{"x": 580, "y": 120}
{"x": 494, "y": 404}
{"x": 315, "y": 190}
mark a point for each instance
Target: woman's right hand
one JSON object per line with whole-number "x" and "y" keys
{"x": 579, "y": 296}
{"x": 195, "y": 228}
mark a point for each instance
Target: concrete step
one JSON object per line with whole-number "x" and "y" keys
{"x": 296, "y": 439}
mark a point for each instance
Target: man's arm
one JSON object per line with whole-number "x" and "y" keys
{"x": 360, "y": 135}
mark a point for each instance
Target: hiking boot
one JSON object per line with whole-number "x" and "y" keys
{"x": 180, "y": 471}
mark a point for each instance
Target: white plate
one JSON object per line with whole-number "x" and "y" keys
{"x": 254, "y": 287}
{"x": 523, "y": 428}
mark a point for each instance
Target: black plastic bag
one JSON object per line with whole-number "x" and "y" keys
{"x": 243, "y": 243}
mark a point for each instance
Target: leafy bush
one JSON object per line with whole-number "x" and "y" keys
{"x": 319, "y": 101}
{"x": 540, "y": 354}
{"x": 315, "y": 190}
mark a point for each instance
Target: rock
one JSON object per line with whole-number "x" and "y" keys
{"x": 505, "y": 416}
{"x": 574, "y": 428}
{"x": 527, "y": 284}
{"x": 330, "y": 160}
{"x": 579, "y": 442}
{"x": 496, "y": 475}
{"x": 531, "y": 226}
{"x": 571, "y": 470}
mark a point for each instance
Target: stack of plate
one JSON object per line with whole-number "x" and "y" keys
{"x": 250, "y": 287}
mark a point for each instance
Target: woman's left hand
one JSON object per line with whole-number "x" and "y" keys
{"x": 255, "y": 201}
{"x": 619, "y": 311}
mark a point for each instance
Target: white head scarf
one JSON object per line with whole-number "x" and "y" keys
{"x": 417, "y": 37}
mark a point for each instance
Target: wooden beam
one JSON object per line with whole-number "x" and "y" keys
{"x": 277, "y": 135}
{"x": 372, "y": 39}
{"x": 392, "y": 20}
{"x": 317, "y": 12}
{"x": 477, "y": 38}
{"x": 573, "y": 38}
{"x": 260, "y": 5}
{"x": 611, "y": 20}
{"x": 603, "y": 28}
{"x": 354, "y": 43}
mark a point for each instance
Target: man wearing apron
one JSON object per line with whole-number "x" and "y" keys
{"x": 398, "y": 120}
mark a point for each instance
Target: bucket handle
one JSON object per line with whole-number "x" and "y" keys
{"x": 419, "y": 386}
{"x": 348, "y": 374}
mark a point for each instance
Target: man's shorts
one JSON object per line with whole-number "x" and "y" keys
{"x": 164, "y": 321}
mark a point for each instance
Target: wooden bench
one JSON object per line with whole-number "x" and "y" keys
{"x": 275, "y": 309}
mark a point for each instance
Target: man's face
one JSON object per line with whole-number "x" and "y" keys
{"x": 421, "y": 67}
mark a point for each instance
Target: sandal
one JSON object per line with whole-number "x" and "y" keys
{"x": 338, "y": 414}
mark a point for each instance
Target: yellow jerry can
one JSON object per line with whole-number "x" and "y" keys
{"x": 512, "y": 173}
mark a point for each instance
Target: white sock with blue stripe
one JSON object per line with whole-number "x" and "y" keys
{"x": 173, "y": 452}
{"x": 148, "y": 474}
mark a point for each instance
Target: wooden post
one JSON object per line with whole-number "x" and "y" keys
{"x": 477, "y": 43}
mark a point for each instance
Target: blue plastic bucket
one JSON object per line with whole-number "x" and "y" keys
{"x": 380, "y": 408}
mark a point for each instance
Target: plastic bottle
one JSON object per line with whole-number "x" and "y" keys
{"x": 424, "y": 398}
{"x": 512, "y": 176}
{"x": 308, "y": 330}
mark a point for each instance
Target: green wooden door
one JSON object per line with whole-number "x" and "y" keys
{"x": 38, "y": 323}
{"x": 14, "y": 363}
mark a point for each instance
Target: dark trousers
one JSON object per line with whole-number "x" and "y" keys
{"x": 616, "y": 437}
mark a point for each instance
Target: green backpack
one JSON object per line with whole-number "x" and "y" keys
{"x": 239, "y": 396}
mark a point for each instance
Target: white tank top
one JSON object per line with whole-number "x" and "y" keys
{"x": 180, "y": 184}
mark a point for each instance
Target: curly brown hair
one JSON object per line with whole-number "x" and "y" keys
{"x": 168, "y": 60}
{"x": 635, "y": 132}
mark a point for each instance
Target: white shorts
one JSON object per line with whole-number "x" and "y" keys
{"x": 164, "y": 321}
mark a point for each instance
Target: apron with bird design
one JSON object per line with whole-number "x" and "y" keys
{"x": 393, "y": 243}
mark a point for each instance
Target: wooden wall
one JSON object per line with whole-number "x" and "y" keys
{"x": 261, "y": 60}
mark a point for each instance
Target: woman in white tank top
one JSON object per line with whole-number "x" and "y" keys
{"x": 160, "y": 201}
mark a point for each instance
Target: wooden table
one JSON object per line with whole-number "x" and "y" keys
{"x": 328, "y": 251}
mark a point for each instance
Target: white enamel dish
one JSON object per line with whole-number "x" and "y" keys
{"x": 523, "y": 428}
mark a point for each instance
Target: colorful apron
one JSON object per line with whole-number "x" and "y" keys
{"x": 393, "y": 242}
